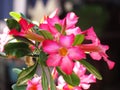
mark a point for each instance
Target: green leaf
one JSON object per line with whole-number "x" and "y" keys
{"x": 13, "y": 24}
{"x": 58, "y": 27}
{"x": 42, "y": 58}
{"x": 71, "y": 79}
{"x": 44, "y": 81}
{"x": 91, "y": 69}
{"x": 2, "y": 54}
{"x": 20, "y": 38}
{"x": 15, "y": 15}
{"x": 78, "y": 39}
{"x": 16, "y": 70}
{"x": 52, "y": 83}
{"x": 17, "y": 49}
{"x": 26, "y": 74}
{"x": 23, "y": 16}
{"x": 46, "y": 34}
{"x": 15, "y": 87}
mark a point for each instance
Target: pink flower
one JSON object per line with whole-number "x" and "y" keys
{"x": 71, "y": 20}
{"x": 49, "y": 23}
{"x": 25, "y": 26}
{"x": 26, "y": 31}
{"x": 34, "y": 84}
{"x": 96, "y": 49}
{"x": 67, "y": 24}
{"x": 85, "y": 79}
{"x": 62, "y": 53}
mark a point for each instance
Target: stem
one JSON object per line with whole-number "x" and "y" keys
{"x": 52, "y": 83}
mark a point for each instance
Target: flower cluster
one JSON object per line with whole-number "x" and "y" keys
{"x": 59, "y": 47}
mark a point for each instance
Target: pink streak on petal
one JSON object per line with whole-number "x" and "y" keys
{"x": 67, "y": 65}
{"x": 53, "y": 60}
{"x": 76, "y": 53}
{"x": 50, "y": 46}
{"x": 67, "y": 41}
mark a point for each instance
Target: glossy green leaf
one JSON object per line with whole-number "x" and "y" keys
{"x": 16, "y": 70}
{"x": 26, "y": 74}
{"x": 23, "y": 39}
{"x": 17, "y": 49}
{"x": 13, "y": 24}
{"x": 42, "y": 58}
{"x": 23, "y": 16}
{"x": 71, "y": 79}
{"x": 91, "y": 69}
{"x": 15, "y": 15}
{"x": 44, "y": 81}
{"x": 78, "y": 39}
{"x": 15, "y": 87}
{"x": 2, "y": 54}
{"x": 58, "y": 27}
{"x": 46, "y": 34}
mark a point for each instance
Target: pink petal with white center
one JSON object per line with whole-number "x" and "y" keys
{"x": 53, "y": 60}
{"x": 50, "y": 46}
{"x": 67, "y": 41}
{"x": 79, "y": 69}
{"x": 77, "y": 88}
{"x": 95, "y": 55}
{"x": 67, "y": 65}
{"x": 85, "y": 86}
{"x": 88, "y": 78}
{"x": 71, "y": 20}
{"x": 74, "y": 31}
{"x": 75, "y": 53}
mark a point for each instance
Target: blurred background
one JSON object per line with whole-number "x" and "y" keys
{"x": 103, "y": 15}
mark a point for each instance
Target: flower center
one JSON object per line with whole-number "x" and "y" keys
{"x": 33, "y": 87}
{"x": 62, "y": 51}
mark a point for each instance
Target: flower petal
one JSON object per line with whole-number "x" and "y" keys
{"x": 44, "y": 26}
{"x": 95, "y": 55}
{"x": 71, "y": 19}
{"x": 74, "y": 31}
{"x": 67, "y": 65}
{"x": 50, "y": 46}
{"x": 53, "y": 60}
{"x": 110, "y": 63}
{"x": 76, "y": 53}
{"x": 67, "y": 41}
{"x": 91, "y": 35}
